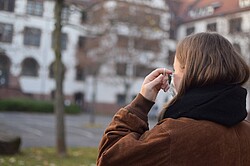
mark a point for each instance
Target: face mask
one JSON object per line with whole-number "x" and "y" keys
{"x": 172, "y": 90}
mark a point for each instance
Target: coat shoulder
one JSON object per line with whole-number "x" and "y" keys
{"x": 207, "y": 141}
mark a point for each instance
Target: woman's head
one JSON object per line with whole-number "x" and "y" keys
{"x": 208, "y": 58}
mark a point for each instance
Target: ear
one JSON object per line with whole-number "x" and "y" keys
{"x": 182, "y": 68}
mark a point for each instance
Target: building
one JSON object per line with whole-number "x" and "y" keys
{"x": 133, "y": 40}
{"x": 108, "y": 47}
{"x": 27, "y": 56}
{"x": 230, "y": 18}
{"x": 106, "y": 35}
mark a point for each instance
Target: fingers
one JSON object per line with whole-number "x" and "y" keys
{"x": 165, "y": 83}
{"x": 150, "y": 89}
{"x": 154, "y": 82}
{"x": 155, "y": 79}
{"x": 159, "y": 71}
{"x": 154, "y": 74}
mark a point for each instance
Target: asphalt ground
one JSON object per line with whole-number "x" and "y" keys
{"x": 38, "y": 130}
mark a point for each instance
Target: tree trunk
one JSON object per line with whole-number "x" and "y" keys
{"x": 58, "y": 72}
{"x": 93, "y": 104}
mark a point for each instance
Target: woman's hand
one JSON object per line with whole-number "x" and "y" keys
{"x": 154, "y": 82}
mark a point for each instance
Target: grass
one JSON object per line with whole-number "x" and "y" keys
{"x": 47, "y": 157}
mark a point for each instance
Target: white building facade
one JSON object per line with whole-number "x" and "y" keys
{"x": 233, "y": 22}
{"x": 30, "y": 26}
{"x": 138, "y": 47}
{"x": 229, "y": 18}
{"x": 27, "y": 56}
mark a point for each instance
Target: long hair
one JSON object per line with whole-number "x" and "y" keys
{"x": 207, "y": 59}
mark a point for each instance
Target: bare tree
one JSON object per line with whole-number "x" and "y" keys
{"x": 139, "y": 22}
{"x": 91, "y": 65}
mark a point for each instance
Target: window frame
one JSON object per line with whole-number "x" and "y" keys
{"x": 32, "y": 36}
{"x": 142, "y": 70}
{"x": 190, "y": 30}
{"x": 121, "y": 68}
{"x": 79, "y": 75}
{"x": 65, "y": 15}
{"x": 34, "y": 8}
{"x": 4, "y": 70}
{"x": 7, "y": 5}
{"x": 235, "y": 25}
{"x": 6, "y": 35}
{"x": 212, "y": 27}
{"x": 81, "y": 41}
{"x": 30, "y": 67}
{"x": 120, "y": 99}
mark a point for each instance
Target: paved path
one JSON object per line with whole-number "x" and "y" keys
{"x": 39, "y": 129}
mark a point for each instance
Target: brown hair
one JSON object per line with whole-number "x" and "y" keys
{"x": 208, "y": 58}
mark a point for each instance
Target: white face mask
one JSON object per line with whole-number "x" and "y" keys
{"x": 172, "y": 90}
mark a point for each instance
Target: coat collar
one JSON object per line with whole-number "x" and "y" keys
{"x": 223, "y": 104}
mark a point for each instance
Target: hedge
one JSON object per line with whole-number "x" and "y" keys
{"x": 29, "y": 105}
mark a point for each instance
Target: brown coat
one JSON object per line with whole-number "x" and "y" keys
{"x": 187, "y": 142}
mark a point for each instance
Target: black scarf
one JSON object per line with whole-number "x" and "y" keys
{"x": 222, "y": 104}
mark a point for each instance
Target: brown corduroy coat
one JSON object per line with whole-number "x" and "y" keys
{"x": 172, "y": 142}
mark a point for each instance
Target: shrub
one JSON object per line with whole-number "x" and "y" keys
{"x": 29, "y": 105}
{"x": 72, "y": 109}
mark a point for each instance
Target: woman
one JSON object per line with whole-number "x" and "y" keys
{"x": 202, "y": 125}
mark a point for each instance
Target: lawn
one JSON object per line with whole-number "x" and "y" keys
{"x": 47, "y": 157}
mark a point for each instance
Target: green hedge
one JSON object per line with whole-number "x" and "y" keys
{"x": 29, "y": 105}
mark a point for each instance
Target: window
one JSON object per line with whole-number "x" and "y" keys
{"x": 189, "y": 31}
{"x": 235, "y": 25}
{"x": 211, "y": 27}
{"x": 80, "y": 76}
{"x": 79, "y": 98}
{"x": 53, "y": 94}
{"x": 51, "y": 71}
{"x": 6, "y": 32}
{"x": 65, "y": 13}
{"x": 172, "y": 33}
{"x": 34, "y": 7}
{"x": 237, "y": 47}
{"x": 147, "y": 45}
{"x": 244, "y": 3}
{"x": 84, "y": 17}
{"x": 4, "y": 70}
{"x": 142, "y": 70}
{"x": 120, "y": 99}
{"x": 7, "y": 5}
{"x": 122, "y": 41}
{"x": 32, "y": 36}
{"x": 171, "y": 55}
{"x": 81, "y": 41}
{"x": 121, "y": 69}
{"x": 30, "y": 67}
{"x": 64, "y": 41}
